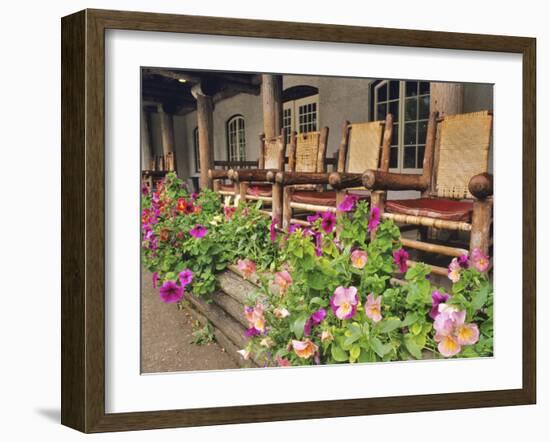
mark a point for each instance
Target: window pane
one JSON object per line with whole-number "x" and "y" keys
{"x": 394, "y": 110}
{"x": 381, "y": 111}
{"x": 393, "y": 157}
{"x": 424, "y": 107}
{"x": 420, "y": 157}
{"x": 394, "y": 90}
{"x": 410, "y": 109}
{"x": 411, "y": 88}
{"x": 424, "y": 88}
{"x": 422, "y": 130}
{"x": 382, "y": 93}
{"x": 395, "y": 135}
{"x": 409, "y": 161}
{"x": 410, "y": 133}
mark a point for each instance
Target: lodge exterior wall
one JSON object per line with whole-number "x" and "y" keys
{"x": 339, "y": 99}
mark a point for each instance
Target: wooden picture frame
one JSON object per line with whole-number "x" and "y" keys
{"x": 83, "y": 220}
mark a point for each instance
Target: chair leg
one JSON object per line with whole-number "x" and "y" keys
{"x": 243, "y": 187}
{"x": 377, "y": 199}
{"x": 481, "y": 225}
{"x": 287, "y": 209}
{"x": 277, "y": 201}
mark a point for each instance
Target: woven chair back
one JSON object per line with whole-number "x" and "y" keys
{"x": 463, "y": 152}
{"x": 364, "y": 146}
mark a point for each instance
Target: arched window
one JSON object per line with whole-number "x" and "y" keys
{"x": 196, "y": 149}
{"x": 300, "y": 109}
{"x": 409, "y": 103}
{"x": 236, "y": 143}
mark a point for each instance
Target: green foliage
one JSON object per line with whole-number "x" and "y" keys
{"x": 202, "y": 334}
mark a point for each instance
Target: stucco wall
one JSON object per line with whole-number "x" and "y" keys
{"x": 340, "y": 99}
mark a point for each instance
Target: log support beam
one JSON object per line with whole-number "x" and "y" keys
{"x": 205, "y": 124}
{"x": 272, "y": 103}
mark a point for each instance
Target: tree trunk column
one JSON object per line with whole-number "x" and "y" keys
{"x": 146, "y": 151}
{"x": 205, "y": 123}
{"x": 167, "y": 138}
{"x": 447, "y": 98}
{"x": 272, "y": 102}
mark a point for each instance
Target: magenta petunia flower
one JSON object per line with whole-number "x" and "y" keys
{"x": 400, "y": 259}
{"x": 198, "y": 231}
{"x": 374, "y": 219}
{"x": 463, "y": 261}
{"x": 170, "y": 292}
{"x": 344, "y": 302}
{"x": 315, "y": 319}
{"x": 328, "y": 222}
{"x": 437, "y": 298}
{"x": 155, "y": 279}
{"x": 312, "y": 218}
{"x": 185, "y": 277}
{"x": 251, "y": 332}
{"x": 318, "y": 244}
{"x": 348, "y": 204}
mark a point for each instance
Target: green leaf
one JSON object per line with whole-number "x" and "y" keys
{"x": 380, "y": 349}
{"x": 479, "y": 298}
{"x": 410, "y": 318}
{"x": 416, "y": 328}
{"x": 412, "y": 346}
{"x": 355, "y": 352}
{"x": 389, "y": 325}
{"x": 298, "y": 326}
{"x": 318, "y": 301}
{"x": 338, "y": 354}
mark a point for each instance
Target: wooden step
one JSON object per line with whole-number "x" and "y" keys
{"x": 232, "y": 307}
{"x": 235, "y": 286}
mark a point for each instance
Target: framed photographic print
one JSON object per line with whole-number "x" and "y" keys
{"x": 267, "y": 220}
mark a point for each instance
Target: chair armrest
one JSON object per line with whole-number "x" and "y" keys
{"x": 481, "y": 185}
{"x": 248, "y": 175}
{"x": 379, "y": 180}
{"x": 341, "y": 180}
{"x": 291, "y": 178}
{"x": 218, "y": 174}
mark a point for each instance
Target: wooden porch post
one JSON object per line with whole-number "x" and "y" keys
{"x": 167, "y": 137}
{"x": 272, "y": 88}
{"x": 205, "y": 123}
{"x": 146, "y": 151}
{"x": 446, "y": 98}
{"x": 272, "y": 102}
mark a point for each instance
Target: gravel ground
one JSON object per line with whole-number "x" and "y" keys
{"x": 166, "y": 335}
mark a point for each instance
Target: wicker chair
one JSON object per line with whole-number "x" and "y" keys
{"x": 158, "y": 169}
{"x": 360, "y": 149}
{"x": 456, "y": 193}
{"x": 221, "y": 181}
{"x": 258, "y": 184}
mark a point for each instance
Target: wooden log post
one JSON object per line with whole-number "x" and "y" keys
{"x": 205, "y": 124}
{"x": 481, "y": 225}
{"x": 146, "y": 147}
{"x": 447, "y": 98}
{"x": 377, "y": 199}
{"x": 287, "y": 208}
{"x": 166, "y": 131}
{"x": 272, "y": 103}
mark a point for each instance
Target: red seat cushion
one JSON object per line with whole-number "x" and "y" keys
{"x": 259, "y": 189}
{"x": 316, "y": 198}
{"x": 446, "y": 209}
{"x": 227, "y": 187}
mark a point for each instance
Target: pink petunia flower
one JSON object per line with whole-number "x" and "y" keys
{"x": 283, "y": 280}
{"x": 283, "y": 362}
{"x": 273, "y": 229}
{"x": 479, "y": 260}
{"x": 453, "y": 272}
{"x": 198, "y": 231}
{"x": 170, "y": 292}
{"x": 255, "y": 317}
{"x": 451, "y": 331}
{"x": 400, "y": 258}
{"x": 304, "y": 349}
{"x": 344, "y": 302}
{"x": 374, "y": 219}
{"x": 246, "y": 267}
{"x": 359, "y": 258}
{"x": 348, "y": 204}
{"x": 373, "y": 308}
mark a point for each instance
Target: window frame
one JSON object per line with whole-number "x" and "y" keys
{"x": 293, "y": 106}
{"x": 241, "y": 154}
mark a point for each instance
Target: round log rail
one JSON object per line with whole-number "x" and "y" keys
{"x": 428, "y": 222}
{"x": 481, "y": 185}
{"x": 290, "y": 178}
{"x": 251, "y": 175}
{"x": 379, "y": 180}
{"x": 342, "y": 180}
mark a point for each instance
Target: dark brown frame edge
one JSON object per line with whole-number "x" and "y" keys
{"x": 83, "y": 216}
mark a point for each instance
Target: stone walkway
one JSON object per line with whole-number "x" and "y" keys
{"x": 166, "y": 335}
